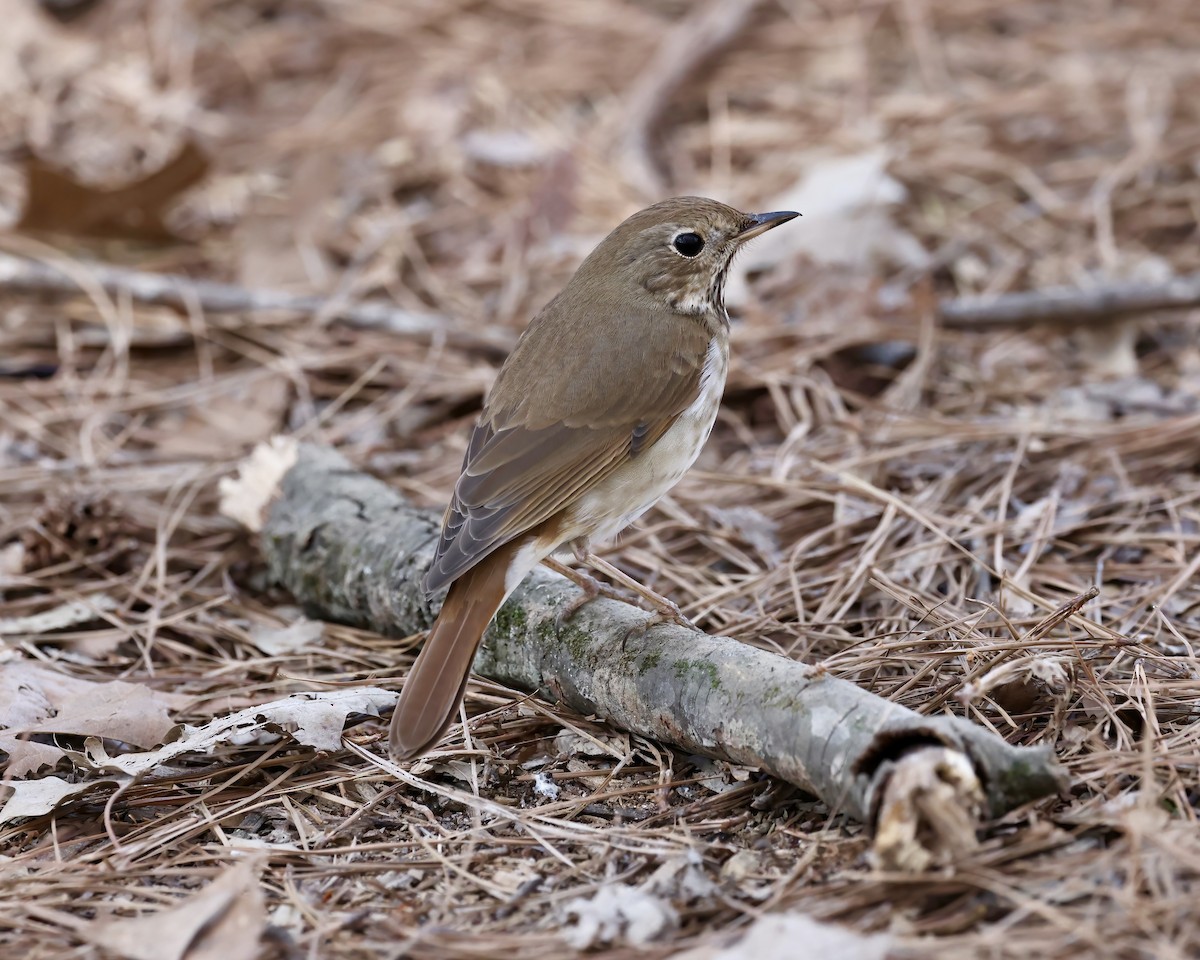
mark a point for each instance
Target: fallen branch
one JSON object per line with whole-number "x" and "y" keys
{"x": 71, "y": 277}
{"x": 350, "y": 549}
{"x": 1066, "y": 306}
{"x": 689, "y": 47}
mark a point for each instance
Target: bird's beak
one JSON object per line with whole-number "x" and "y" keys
{"x": 762, "y": 222}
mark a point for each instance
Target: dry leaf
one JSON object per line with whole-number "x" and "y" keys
{"x": 719, "y": 776}
{"x": 313, "y": 720}
{"x": 56, "y": 202}
{"x": 618, "y": 914}
{"x": 27, "y": 756}
{"x": 12, "y": 560}
{"x": 504, "y": 148}
{"x": 571, "y": 744}
{"x": 33, "y": 798}
{"x": 223, "y": 921}
{"x": 295, "y": 636}
{"x": 785, "y": 936}
{"x": 846, "y": 203}
{"x": 247, "y": 497}
{"x": 459, "y": 770}
{"x": 34, "y": 699}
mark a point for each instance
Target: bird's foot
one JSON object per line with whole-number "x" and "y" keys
{"x": 665, "y": 611}
{"x": 591, "y": 587}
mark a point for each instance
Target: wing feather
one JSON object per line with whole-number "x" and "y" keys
{"x": 535, "y": 451}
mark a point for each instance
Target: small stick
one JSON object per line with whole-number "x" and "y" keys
{"x": 1065, "y": 306}
{"x": 36, "y": 276}
{"x": 1059, "y": 306}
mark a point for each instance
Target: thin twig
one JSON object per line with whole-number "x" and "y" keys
{"x": 48, "y": 276}
{"x": 1068, "y": 305}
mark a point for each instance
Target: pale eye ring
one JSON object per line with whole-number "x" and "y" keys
{"x": 688, "y": 244}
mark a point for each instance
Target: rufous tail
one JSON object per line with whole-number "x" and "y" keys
{"x": 434, "y": 688}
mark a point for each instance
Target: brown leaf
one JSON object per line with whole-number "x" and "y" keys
{"x": 224, "y": 921}
{"x": 34, "y": 699}
{"x": 56, "y": 202}
{"x": 33, "y": 798}
{"x": 28, "y": 756}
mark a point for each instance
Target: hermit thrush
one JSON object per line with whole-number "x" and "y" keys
{"x": 602, "y": 406}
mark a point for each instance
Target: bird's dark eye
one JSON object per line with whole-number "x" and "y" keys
{"x": 689, "y": 244}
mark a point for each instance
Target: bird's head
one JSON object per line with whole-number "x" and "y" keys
{"x": 677, "y": 251}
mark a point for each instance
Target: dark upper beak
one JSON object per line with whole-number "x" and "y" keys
{"x": 762, "y": 222}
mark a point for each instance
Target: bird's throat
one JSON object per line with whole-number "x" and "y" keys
{"x": 703, "y": 301}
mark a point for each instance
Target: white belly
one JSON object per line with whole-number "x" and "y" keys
{"x": 629, "y": 492}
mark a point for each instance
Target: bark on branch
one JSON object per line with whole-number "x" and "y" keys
{"x": 351, "y": 549}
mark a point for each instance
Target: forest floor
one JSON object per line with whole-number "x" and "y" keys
{"x": 894, "y": 498}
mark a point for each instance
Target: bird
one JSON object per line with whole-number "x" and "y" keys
{"x": 601, "y": 407}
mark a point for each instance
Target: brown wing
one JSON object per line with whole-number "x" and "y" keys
{"x": 546, "y": 437}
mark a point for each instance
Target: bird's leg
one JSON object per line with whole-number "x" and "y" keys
{"x": 591, "y": 587}
{"x": 665, "y": 611}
